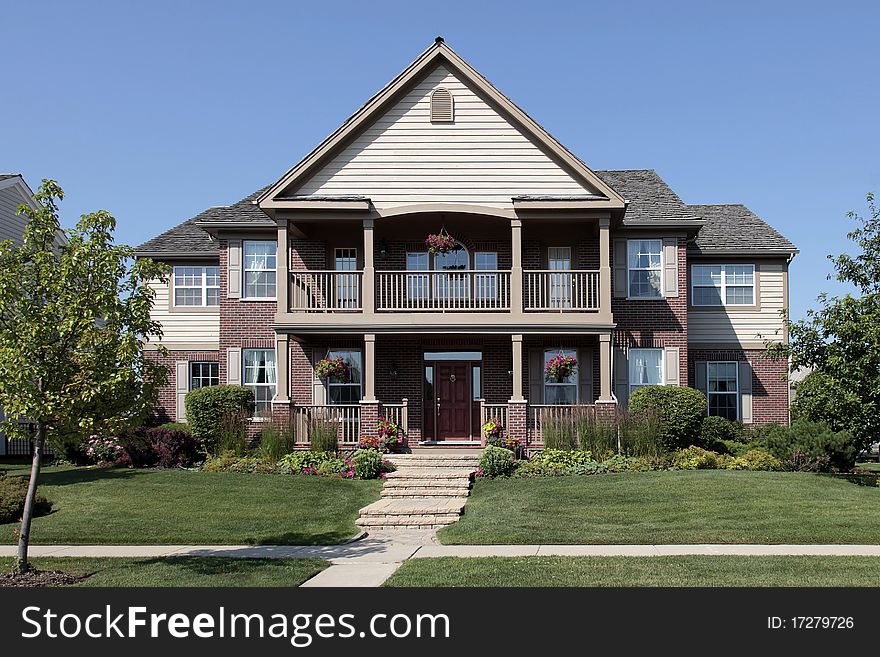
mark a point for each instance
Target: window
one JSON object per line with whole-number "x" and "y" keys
{"x": 723, "y": 285}
{"x": 477, "y": 380}
{"x": 261, "y": 377}
{"x": 348, "y": 392}
{"x": 486, "y": 285}
{"x": 722, "y": 388}
{"x": 644, "y": 268}
{"x": 565, "y": 391}
{"x": 197, "y": 286}
{"x": 559, "y": 260}
{"x": 259, "y": 270}
{"x": 346, "y": 284}
{"x": 645, "y": 368}
{"x": 203, "y": 375}
{"x": 417, "y": 284}
{"x": 452, "y": 285}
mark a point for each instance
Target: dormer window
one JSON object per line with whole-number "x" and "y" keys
{"x": 441, "y": 106}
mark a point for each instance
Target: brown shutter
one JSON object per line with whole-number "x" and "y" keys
{"x": 233, "y": 269}
{"x": 536, "y": 376}
{"x": 621, "y": 285}
{"x": 585, "y": 376}
{"x": 319, "y": 392}
{"x": 700, "y": 376}
{"x": 181, "y": 387}
{"x": 621, "y": 376}
{"x": 745, "y": 392}
{"x": 233, "y": 366}
{"x": 670, "y": 267}
{"x": 671, "y": 375}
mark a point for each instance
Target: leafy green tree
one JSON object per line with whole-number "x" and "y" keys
{"x": 840, "y": 342}
{"x": 74, "y": 317}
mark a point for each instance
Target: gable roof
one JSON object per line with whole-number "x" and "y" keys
{"x": 733, "y": 228}
{"x": 437, "y": 54}
{"x": 649, "y": 198}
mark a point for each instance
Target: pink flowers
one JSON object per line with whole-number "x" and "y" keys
{"x": 441, "y": 242}
{"x": 335, "y": 369}
{"x": 560, "y": 367}
{"x": 103, "y": 450}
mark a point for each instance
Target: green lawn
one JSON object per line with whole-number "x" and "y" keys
{"x": 702, "y": 506}
{"x": 638, "y": 571}
{"x": 182, "y": 571}
{"x": 869, "y": 465}
{"x": 121, "y": 506}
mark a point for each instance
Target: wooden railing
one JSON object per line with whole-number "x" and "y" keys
{"x": 345, "y": 418}
{"x": 550, "y": 290}
{"x": 541, "y": 414}
{"x": 326, "y": 291}
{"x": 489, "y": 411}
{"x": 398, "y": 413}
{"x": 430, "y": 291}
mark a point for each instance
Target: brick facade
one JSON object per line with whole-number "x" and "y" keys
{"x": 166, "y": 411}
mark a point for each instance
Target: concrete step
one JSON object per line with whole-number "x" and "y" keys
{"x": 425, "y": 491}
{"x": 434, "y": 456}
{"x": 405, "y": 522}
{"x": 421, "y": 507}
{"x": 408, "y": 472}
{"x": 410, "y": 482}
{"x": 436, "y": 463}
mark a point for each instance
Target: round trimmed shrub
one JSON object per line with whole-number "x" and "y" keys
{"x": 679, "y": 410}
{"x": 206, "y": 408}
{"x": 497, "y": 461}
{"x": 367, "y": 463}
{"x": 714, "y": 431}
{"x": 13, "y": 491}
{"x": 756, "y": 459}
{"x": 695, "y": 458}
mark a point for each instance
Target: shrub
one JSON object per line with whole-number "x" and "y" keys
{"x": 296, "y": 462}
{"x": 714, "y": 430}
{"x": 756, "y": 459}
{"x": 497, "y": 461}
{"x": 680, "y": 411}
{"x": 206, "y": 407}
{"x": 176, "y": 426}
{"x": 559, "y": 429}
{"x": 70, "y": 448}
{"x": 367, "y": 463}
{"x": 390, "y": 434}
{"x": 595, "y": 435}
{"x": 800, "y": 462}
{"x": 734, "y": 447}
{"x": 813, "y": 439}
{"x": 100, "y": 449}
{"x": 640, "y": 435}
{"x": 230, "y": 462}
{"x": 694, "y": 458}
{"x": 323, "y": 435}
{"x": 276, "y": 440}
{"x": 158, "y": 447}
{"x": 13, "y": 491}
{"x": 232, "y": 435}
{"x": 559, "y": 458}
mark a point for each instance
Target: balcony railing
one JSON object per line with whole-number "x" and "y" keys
{"x": 560, "y": 291}
{"x": 326, "y": 291}
{"x": 428, "y": 291}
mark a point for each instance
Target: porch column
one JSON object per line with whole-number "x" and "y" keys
{"x": 605, "y": 266}
{"x": 368, "y": 287}
{"x": 605, "y": 368}
{"x": 516, "y": 274}
{"x": 369, "y": 367}
{"x": 282, "y": 369}
{"x": 517, "y": 341}
{"x": 517, "y": 407}
{"x": 282, "y": 267}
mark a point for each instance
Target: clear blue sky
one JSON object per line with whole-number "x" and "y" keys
{"x": 156, "y": 110}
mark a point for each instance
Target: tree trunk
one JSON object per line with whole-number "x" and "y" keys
{"x": 27, "y": 515}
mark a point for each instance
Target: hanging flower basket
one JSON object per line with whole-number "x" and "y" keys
{"x": 335, "y": 369}
{"x": 493, "y": 430}
{"x": 560, "y": 367}
{"x": 441, "y": 242}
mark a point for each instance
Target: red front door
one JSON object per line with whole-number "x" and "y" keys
{"x": 453, "y": 388}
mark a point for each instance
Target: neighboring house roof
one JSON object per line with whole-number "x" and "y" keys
{"x": 733, "y": 228}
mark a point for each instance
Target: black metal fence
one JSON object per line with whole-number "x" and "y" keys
{"x": 24, "y": 446}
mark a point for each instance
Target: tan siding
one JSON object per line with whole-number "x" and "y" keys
{"x": 11, "y": 225}
{"x": 185, "y": 328}
{"x": 741, "y": 326}
{"x": 404, "y": 158}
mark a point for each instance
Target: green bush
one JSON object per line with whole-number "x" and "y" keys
{"x": 559, "y": 429}
{"x": 755, "y": 459}
{"x": 813, "y": 439}
{"x": 695, "y": 458}
{"x": 323, "y": 435}
{"x": 13, "y": 491}
{"x": 296, "y": 462}
{"x": 715, "y": 431}
{"x": 231, "y": 462}
{"x": 562, "y": 458}
{"x": 176, "y": 426}
{"x": 640, "y": 435}
{"x": 276, "y": 440}
{"x": 596, "y": 435}
{"x": 734, "y": 447}
{"x": 233, "y": 434}
{"x": 367, "y": 463}
{"x": 497, "y": 462}
{"x": 206, "y": 408}
{"x": 680, "y": 411}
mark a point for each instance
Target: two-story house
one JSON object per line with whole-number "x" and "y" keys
{"x": 550, "y": 257}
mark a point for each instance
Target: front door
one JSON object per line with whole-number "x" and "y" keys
{"x": 453, "y": 392}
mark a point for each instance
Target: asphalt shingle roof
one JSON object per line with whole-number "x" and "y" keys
{"x": 650, "y": 198}
{"x": 733, "y": 227}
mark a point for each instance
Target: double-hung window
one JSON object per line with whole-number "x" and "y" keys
{"x": 346, "y": 284}
{"x": 196, "y": 286}
{"x": 346, "y": 392}
{"x": 486, "y": 285}
{"x": 644, "y": 269}
{"x": 723, "y": 285}
{"x": 558, "y": 261}
{"x": 645, "y": 368}
{"x": 260, "y": 259}
{"x": 560, "y": 392}
{"x": 417, "y": 285}
{"x": 722, "y": 389}
{"x": 203, "y": 375}
{"x": 260, "y": 376}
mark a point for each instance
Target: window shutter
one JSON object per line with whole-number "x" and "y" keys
{"x": 671, "y": 375}
{"x": 319, "y": 392}
{"x": 233, "y": 269}
{"x": 585, "y": 376}
{"x": 181, "y": 387}
{"x": 233, "y": 366}
{"x": 745, "y": 392}
{"x": 621, "y": 377}
{"x": 620, "y": 278}
{"x": 536, "y": 376}
{"x": 700, "y": 376}
{"x": 670, "y": 267}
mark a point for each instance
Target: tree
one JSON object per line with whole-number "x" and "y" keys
{"x": 74, "y": 317}
{"x": 840, "y": 342}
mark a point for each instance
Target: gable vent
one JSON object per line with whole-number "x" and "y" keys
{"x": 441, "y": 105}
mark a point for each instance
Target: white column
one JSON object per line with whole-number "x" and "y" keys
{"x": 517, "y": 343}
{"x": 369, "y": 367}
{"x": 368, "y": 303}
{"x": 516, "y": 274}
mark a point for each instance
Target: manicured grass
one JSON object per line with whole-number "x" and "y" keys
{"x": 869, "y": 465}
{"x": 703, "y": 506}
{"x": 638, "y": 571}
{"x": 121, "y": 506}
{"x": 182, "y": 571}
